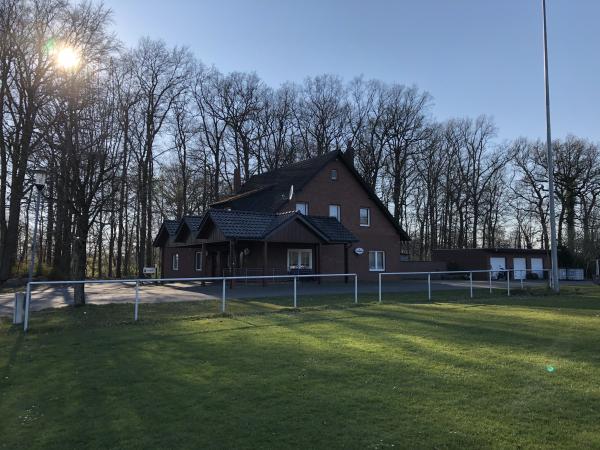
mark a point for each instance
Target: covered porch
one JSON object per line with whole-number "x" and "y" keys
{"x": 240, "y": 243}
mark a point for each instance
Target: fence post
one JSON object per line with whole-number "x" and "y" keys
{"x": 429, "y": 286}
{"x": 508, "y": 282}
{"x": 295, "y": 292}
{"x": 380, "y": 288}
{"x": 355, "y": 288}
{"x": 223, "y": 298}
{"x": 471, "y": 283}
{"x": 522, "y": 278}
{"x": 137, "y": 300}
{"x": 27, "y": 302}
{"x": 490, "y": 276}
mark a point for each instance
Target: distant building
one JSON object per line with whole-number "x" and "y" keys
{"x": 526, "y": 262}
{"x": 314, "y": 216}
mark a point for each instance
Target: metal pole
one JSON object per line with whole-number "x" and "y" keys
{"x": 522, "y": 280}
{"x": 379, "y": 288}
{"x": 508, "y": 282}
{"x": 137, "y": 300}
{"x": 223, "y": 298}
{"x": 471, "y": 282}
{"x": 490, "y": 276}
{"x": 550, "y": 156}
{"x": 32, "y": 258}
{"x": 429, "y": 286}
{"x": 295, "y": 292}
{"x": 27, "y": 297}
{"x": 355, "y": 288}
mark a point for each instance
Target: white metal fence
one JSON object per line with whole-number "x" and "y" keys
{"x": 519, "y": 276}
{"x": 223, "y": 280}
{"x": 496, "y": 279}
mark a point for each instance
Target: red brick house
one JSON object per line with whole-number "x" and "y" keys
{"x": 314, "y": 216}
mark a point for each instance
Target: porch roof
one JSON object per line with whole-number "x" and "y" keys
{"x": 252, "y": 225}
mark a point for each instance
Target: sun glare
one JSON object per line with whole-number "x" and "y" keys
{"x": 67, "y": 58}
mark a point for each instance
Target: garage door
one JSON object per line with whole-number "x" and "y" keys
{"x": 520, "y": 266}
{"x": 496, "y": 265}
{"x": 537, "y": 267}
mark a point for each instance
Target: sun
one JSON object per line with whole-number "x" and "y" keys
{"x": 67, "y": 58}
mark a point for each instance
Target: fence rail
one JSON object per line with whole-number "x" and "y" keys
{"x": 522, "y": 276}
{"x": 136, "y": 282}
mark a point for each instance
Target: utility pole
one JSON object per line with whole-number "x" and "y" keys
{"x": 550, "y": 155}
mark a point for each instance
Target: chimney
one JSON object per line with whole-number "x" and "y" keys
{"x": 349, "y": 153}
{"x": 237, "y": 180}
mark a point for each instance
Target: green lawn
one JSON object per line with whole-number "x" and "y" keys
{"x": 497, "y": 372}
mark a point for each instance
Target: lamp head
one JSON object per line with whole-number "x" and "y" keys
{"x": 39, "y": 178}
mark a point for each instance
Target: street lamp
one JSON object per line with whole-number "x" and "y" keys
{"x": 550, "y": 155}
{"x": 39, "y": 181}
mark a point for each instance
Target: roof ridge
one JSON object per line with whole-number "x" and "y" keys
{"x": 241, "y": 211}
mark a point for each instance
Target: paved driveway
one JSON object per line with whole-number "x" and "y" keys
{"x": 56, "y": 296}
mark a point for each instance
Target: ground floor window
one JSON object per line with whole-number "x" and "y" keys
{"x": 198, "y": 261}
{"x": 377, "y": 261}
{"x": 299, "y": 258}
{"x": 175, "y": 261}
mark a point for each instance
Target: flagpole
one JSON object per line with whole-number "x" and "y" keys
{"x": 550, "y": 155}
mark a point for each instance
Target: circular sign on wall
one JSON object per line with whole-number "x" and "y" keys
{"x": 359, "y": 250}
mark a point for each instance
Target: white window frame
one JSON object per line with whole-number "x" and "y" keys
{"x": 333, "y": 175}
{"x": 175, "y": 261}
{"x": 300, "y": 250}
{"x": 198, "y": 269}
{"x": 368, "y": 224}
{"x": 305, "y": 207}
{"x": 339, "y": 212}
{"x": 377, "y": 269}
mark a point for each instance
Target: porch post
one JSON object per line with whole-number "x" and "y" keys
{"x": 346, "y": 247}
{"x": 231, "y": 260}
{"x": 265, "y": 261}
{"x": 203, "y": 261}
{"x": 318, "y": 261}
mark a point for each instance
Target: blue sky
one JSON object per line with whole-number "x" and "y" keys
{"x": 474, "y": 56}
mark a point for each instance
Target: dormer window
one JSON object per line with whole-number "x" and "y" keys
{"x": 333, "y": 175}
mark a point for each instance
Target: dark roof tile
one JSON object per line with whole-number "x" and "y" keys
{"x": 235, "y": 224}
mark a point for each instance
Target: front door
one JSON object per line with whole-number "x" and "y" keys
{"x": 520, "y": 266}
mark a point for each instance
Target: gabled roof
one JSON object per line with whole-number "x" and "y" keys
{"x": 269, "y": 191}
{"x": 188, "y": 224}
{"x": 167, "y": 229}
{"x": 252, "y": 225}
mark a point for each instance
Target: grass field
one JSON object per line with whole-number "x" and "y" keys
{"x": 496, "y": 372}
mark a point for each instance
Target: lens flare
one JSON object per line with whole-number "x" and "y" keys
{"x": 67, "y": 58}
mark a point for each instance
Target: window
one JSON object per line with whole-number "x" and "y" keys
{"x": 302, "y": 208}
{"x": 334, "y": 211}
{"x": 175, "y": 261}
{"x": 198, "y": 261}
{"x": 333, "y": 175}
{"x": 365, "y": 217}
{"x": 299, "y": 258}
{"x": 377, "y": 261}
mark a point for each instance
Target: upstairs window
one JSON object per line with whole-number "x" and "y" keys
{"x": 302, "y": 208}
{"x": 365, "y": 217}
{"x": 175, "y": 261}
{"x": 198, "y": 261}
{"x": 377, "y": 261}
{"x": 333, "y": 175}
{"x": 335, "y": 211}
